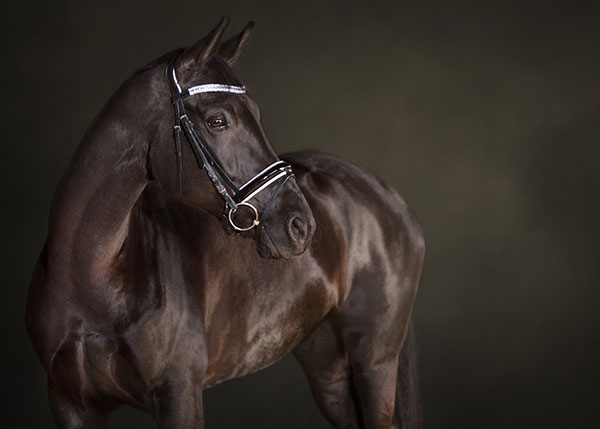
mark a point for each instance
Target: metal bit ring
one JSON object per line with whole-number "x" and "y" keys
{"x": 232, "y": 210}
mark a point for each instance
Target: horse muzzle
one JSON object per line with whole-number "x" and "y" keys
{"x": 287, "y": 239}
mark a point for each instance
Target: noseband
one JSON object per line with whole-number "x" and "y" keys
{"x": 234, "y": 197}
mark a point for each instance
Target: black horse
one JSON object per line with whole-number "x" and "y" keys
{"x": 140, "y": 297}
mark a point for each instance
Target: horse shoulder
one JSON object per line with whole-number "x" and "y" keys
{"x": 378, "y": 232}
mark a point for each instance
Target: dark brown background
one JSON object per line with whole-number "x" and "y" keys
{"x": 485, "y": 117}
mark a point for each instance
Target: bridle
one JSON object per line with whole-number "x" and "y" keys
{"x": 234, "y": 197}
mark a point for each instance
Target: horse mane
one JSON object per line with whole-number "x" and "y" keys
{"x": 163, "y": 59}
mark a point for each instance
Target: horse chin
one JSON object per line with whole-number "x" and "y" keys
{"x": 265, "y": 246}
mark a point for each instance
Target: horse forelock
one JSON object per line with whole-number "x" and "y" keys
{"x": 222, "y": 72}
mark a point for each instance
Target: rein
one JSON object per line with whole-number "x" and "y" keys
{"x": 234, "y": 197}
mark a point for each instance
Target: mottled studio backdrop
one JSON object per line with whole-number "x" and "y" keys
{"x": 484, "y": 115}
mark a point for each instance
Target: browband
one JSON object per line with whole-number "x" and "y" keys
{"x": 216, "y": 87}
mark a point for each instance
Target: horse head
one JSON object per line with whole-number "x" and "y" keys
{"x": 217, "y": 129}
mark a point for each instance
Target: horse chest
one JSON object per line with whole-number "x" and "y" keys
{"x": 258, "y": 324}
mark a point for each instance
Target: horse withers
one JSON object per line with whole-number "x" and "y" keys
{"x": 183, "y": 252}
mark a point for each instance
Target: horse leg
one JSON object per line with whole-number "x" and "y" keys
{"x": 387, "y": 385}
{"x": 374, "y": 322}
{"x": 325, "y": 363}
{"x": 373, "y": 357}
{"x": 178, "y": 400}
{"x": 375, "y": 382}
{"x": 178, "y": 405}
{"x": 68, "y": 416}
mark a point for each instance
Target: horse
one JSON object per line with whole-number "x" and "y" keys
{"x": 146, "y": 292}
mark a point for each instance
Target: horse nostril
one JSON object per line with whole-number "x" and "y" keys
{"x": 298, "y": 229}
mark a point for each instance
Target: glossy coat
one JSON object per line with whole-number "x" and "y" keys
{"x": 140, "y": 297}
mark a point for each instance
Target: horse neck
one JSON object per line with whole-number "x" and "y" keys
{"x": 92, "y": 205}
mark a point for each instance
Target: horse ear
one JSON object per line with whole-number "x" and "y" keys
{"x": 205, "y": 47}
{"x": 231, "y": 50}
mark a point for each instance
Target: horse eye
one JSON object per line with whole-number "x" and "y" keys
{"x": 216, "y": 121}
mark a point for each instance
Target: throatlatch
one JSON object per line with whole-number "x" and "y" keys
{"x": 279, "y": 171}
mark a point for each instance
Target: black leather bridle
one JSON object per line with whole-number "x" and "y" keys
{"x": 278, "y": 172}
